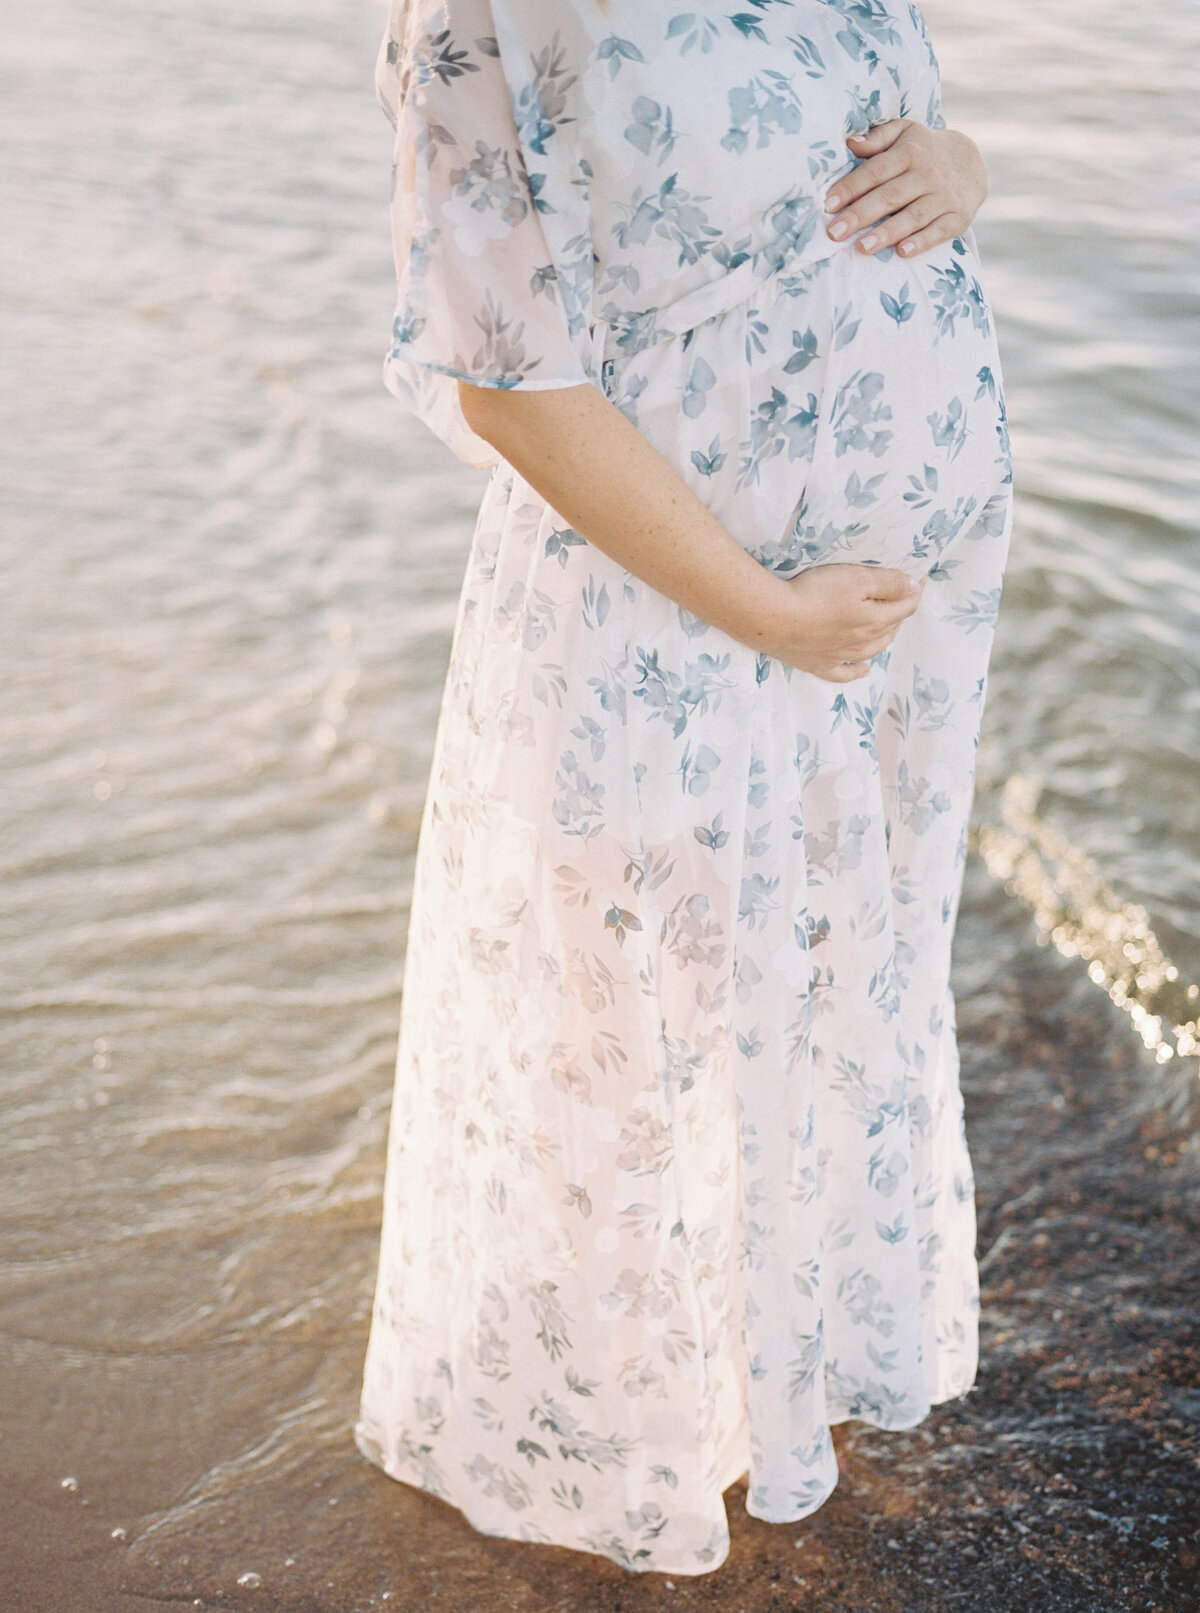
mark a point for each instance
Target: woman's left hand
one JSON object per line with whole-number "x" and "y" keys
{"x": 918, "y": 186}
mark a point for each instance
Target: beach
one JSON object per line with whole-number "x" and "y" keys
{"x": 232, "y": 568}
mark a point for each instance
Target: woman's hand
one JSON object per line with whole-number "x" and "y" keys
{"x": 843, "y": 614}
{"x": 606, "y": 480}
{"x": 920, "y": 186}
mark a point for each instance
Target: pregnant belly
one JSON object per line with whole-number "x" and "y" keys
{"x": 908, "y": 440}
{"x": 850, "y": 410}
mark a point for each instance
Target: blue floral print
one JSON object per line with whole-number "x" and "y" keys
{"x": 677, "y": 1176}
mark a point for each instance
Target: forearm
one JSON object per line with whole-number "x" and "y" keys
{"x": 608, "y": 482}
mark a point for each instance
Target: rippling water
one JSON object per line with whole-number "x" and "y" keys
{"x": 231, "y": 566}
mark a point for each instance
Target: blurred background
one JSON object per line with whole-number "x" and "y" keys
{"x": 231, "y": 564}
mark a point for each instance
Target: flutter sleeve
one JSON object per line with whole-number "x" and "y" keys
{"x": 479, "y": 295}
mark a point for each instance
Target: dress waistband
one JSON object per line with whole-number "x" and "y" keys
{"x": 796, "y": 220}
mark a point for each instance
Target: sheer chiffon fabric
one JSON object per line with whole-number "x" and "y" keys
{"x": 677, "y": 1174}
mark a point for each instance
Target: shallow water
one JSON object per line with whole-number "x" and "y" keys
{"x": 231, "y": 569}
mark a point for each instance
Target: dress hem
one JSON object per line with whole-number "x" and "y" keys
{"x": 375, "y": 1454}
{"x": 836, "y": 1418}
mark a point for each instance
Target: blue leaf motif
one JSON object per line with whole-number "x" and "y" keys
{"x": 898, "y": 308}
{"x": 714, "y": 836}
{"x": 614, "y": 51}
{"x": 845, "y": 329}
{"x": 640, "y": 132}
{"x": 748, "y": 25}
{"x": 896, "y": 1232}
{"x": 708, "y": 464}
{"x": 694, "y": 30}
{"x": 860, "y": 494}
{"x": 700, "y": 381}
{"x": 697, "y": 769}
{"x": 805, "y": 345}
{"x": 808, "y": 55}
{"x": 595, "y": 603}
{"x": 561, "y": 541}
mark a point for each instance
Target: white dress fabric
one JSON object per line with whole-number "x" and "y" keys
{"x": 677, "y": 1175}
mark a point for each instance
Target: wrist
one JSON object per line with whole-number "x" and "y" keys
{"x": 771, "y": 623}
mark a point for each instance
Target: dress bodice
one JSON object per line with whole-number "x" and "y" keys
{"x": 707, "y": 132}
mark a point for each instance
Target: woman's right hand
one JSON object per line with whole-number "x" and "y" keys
{"x": 843, "y": 614}
{"x": 606, "y": 480}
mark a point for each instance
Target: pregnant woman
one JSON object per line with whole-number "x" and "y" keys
{"x": 677, "y": 1176}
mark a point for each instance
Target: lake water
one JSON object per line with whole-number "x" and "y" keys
{"x": 231, "y": 566}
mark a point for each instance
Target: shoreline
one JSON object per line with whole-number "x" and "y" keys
{"x": 1069, "y": 1475}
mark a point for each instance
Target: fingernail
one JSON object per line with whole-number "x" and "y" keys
{"x": 832, "y": 202}
{"x": 906, "y": 247}
{"x": 868, "y": 241}
{"x": 838, "y": 229}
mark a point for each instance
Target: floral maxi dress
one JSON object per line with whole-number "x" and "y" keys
{"x": 677, "y": 1175}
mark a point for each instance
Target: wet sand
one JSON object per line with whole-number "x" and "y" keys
{"x": 1067, "y": 1481}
